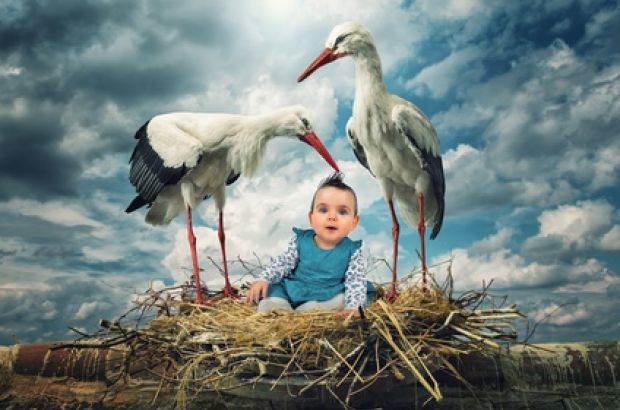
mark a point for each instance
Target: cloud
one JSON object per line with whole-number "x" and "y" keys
{"x": 319, "y": 99}
{"x": 61, "y": 213}
{"x": 539, "y": 145}
{"x": 576, "y": 222}
{"x": 472, "y": 185}
{"x": 611, "y": 240}
{"x": 579, "y": 317}
{"x": 461, "y": 117}
{"x": 559, "y": 315}
{"x": 106, "y": 166}
{"x": 588, "y": 225}
{"x": 557, "y": 257}
{"x": 85, "y": 310}
{"x": 107, "y": 253}
{"x": 461, "y": 66}
{"x": 491, "y": 243}
{"x": 450, "y": 9}
{"x": 550, "y": 129}
{"x": 44, "y": 313}
{"x": 6, "y": 71}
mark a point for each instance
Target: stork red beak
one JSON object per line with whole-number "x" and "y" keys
{"x": 325, "y": 57}
{"x": 314, "y": 141}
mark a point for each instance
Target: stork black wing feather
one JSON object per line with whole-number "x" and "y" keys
{"x": 434, "y": 166}
{"x": 439, "y": 184}
{"x": 148, "y": 174}
{"x": 358, "y": 150}
{"x": 233, "y": 177}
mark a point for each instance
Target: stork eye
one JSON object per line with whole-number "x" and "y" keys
{"x": 339, "y": 39}
{"x": 305, "y": 122}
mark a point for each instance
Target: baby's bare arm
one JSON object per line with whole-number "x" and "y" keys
{"x": 257, "y": 290}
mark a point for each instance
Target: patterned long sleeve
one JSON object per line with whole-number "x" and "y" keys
{"x": 355, "y": 281}
{"x": 282, "y": 265}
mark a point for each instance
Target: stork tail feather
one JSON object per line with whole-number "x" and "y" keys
{"x": 138, "y": 202}
{"x": 438, "y": 224}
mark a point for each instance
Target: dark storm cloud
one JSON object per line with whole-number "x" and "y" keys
{"x": 46, "y": 313}
{"x": 61, "y": 248}
{"x": 30, "y": 163}
{"x": 39, "y": 38}
{"x": 70, "y": 73}
{"x": 36, "y": 30}
{"x": 613, "y": 291}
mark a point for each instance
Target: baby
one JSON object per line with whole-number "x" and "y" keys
{"x": 322, "y": 269}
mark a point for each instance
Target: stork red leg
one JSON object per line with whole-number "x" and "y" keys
{"x": 192, "y": 246}
{"x": 222, "y": 237}
{"x": 392, "y": 293}
{"x": 421, "y": 231}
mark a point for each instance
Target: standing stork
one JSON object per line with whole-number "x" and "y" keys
{"x": 391, "y": 137}
{"x": 183, "y": 158}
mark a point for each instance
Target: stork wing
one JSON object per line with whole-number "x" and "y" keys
{"x": 420, "y": 136}
{"x": 149, "y": 172}
{"x": 232, "y": 177}
{"x": 358, "y": 150}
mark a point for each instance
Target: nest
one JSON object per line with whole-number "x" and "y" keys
{"x": 211, "y": 348}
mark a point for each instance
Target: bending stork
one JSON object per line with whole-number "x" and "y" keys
{"x": 182, "y": 158}
{"x": 391, "y": 137}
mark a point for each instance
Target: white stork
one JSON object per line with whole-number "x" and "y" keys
{"x": 183, "y": 158}
{"x": 391, "y": 137}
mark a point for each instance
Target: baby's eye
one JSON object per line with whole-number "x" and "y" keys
{"x": 343, "y": 211}
{"x": 322, "y": 209}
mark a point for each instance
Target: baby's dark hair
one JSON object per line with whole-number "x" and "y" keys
{"x": 335, "y": 180}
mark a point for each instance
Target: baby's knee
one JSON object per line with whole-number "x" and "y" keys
{"x": 307, "y": 306}
{"x": 336, "y": 303}
{"x": 271, "y": 303}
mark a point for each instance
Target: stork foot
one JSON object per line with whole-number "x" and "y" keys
{"x": 391, "y": 296}
{"x": 231, "y": 293}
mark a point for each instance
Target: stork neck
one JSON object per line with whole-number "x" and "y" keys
{"x": 249, "y": 147}
{"x": 265, "y": 126}
{"x": 368, "y": 73}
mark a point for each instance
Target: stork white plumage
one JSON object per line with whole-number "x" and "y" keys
{"x": 183, "y": 158}
{"x": 391, "y": 137}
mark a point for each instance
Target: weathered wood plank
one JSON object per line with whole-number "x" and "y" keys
{"x": 546, "y": 376}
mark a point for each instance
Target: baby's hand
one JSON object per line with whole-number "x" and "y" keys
{"x": 257, "y": 290}
{"x": 345, "y": 313}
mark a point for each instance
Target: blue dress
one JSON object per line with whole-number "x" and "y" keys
{"x": 319, "y": 274}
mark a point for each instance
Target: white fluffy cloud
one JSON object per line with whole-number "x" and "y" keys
{"x": 587, "y": 225}
{"x": 510, "y": 270}
{"x": 573, "y": 230}
{"x": 318, "y": 97}
{"x": 106, "y": 166}
{"x": 562, "y": 315}
{"x": 611, "y": 240}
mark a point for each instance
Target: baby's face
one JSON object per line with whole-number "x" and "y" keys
{"x": 333, "y": 216}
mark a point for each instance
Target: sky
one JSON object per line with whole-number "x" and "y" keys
{"x": 525, "y": 97}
